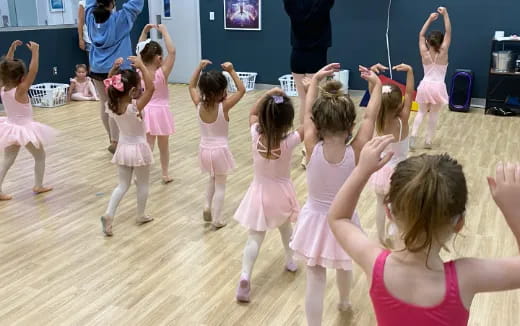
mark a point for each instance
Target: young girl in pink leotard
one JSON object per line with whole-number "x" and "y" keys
{"x": 431, "y": 93}
{"x": 215, "y": 158}
{"x": 81, "y": 87}
{"x": 158, "y": 118}
{"x": 19, "y": 129}
{"x": 427, "y": 201}
{"x": 332, "y": 155}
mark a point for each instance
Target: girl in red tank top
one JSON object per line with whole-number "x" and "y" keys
{"x": 427, "y": 202}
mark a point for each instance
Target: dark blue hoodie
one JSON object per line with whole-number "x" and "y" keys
{"x": 111, "y": 39}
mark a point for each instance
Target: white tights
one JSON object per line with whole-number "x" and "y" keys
{"x": 109, "y": 123}
{"x": 315, "y": 292}
{"x": 10, "y": 154}
{"x": 215, "y": 197}
{"x": 254, "y": 242}
{"x": 432, "y": 110}
{"x": 142, "y": 176}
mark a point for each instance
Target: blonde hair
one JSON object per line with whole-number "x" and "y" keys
{"x": 333, "y": 111}
{"x": 391, "y": 106}
{"x": 426, "y": 193}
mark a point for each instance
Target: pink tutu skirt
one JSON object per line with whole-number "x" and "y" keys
{"x": 381, "y": 179}
{"x": 32, "y": 132}
{"x": 432, "y": 93}
{"x": 133, "y": 154}
{"x": 314, "y": 243}
{"x": 267, "y": 205}
{"x": 216, "y": 160}
{"x": 158, "y": 120}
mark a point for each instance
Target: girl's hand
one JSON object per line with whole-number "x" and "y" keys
{"x": 118, "y": 62}
{"x": 370, "y": 158}
{"x": 227, "y": 66}
{"x": 378, "y": 68}
{"x": 277, "y": 91}
{"x": 33, "y": 46}
{"x": 162, "y": 28}
{"x": 16, "y": 44}
{"x": 434, "y": 16}
{"x": 149, "y": 27}
{"x": 368, "y": 75}
{"x": 204, "y": 63}
{"x": 403, "y": 67}
{"x": 442, "y": 10}
{"x": 136, "y": 61}
{"x": 327, "y": 71}
{"x": 505, "y": 189}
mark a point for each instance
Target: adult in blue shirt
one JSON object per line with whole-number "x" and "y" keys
{"x": 109, "y": 32}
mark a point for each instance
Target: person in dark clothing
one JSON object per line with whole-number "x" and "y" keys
{"x": 311, "y": 37}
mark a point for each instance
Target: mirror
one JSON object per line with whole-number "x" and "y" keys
{"x": 30, "y": 13}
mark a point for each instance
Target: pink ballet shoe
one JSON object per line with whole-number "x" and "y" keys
{"x": 428, "y": 145}
{"x": 304, "y": 159}
{"x": 218, "y": 225}
{"x": 291, "y": 267}
{"x": 41, "y": 190}
{"x": 166, "y": 180}
{"x": 243, "y": 290}
{"x": 206, "y": 215}
{"x": 112, "y": 148}
{"x": 106, "y": 224}
{"x": 5, "y": 197}
{"x": 144, "y": 219}
{"x": 345, "y": 306}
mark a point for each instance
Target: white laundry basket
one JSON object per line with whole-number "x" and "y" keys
{"x": 288, "y": 85}
{"x": 343, "y": 77}
{"x": 48, "y": 95}
{"x": 248, "y": 78}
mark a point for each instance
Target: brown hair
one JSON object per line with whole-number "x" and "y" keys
{"x": 435, "y": 39}
{"x": 12, "y": 71}
{"x": 81, "y": 66}
{"x": 274, "y": 121}
{"x": 391, "y": 106}
{"x": 101, "y": 12}
{"x": 212, "y": 85}
{"x": 130, "y": 79}
{"x": 150, "y": 51}
{"x": 426, "y": 193}
{"x": 333, "y": 111}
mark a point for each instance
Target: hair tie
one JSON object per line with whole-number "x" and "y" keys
{"x": 278, "y": 99}
{"x": 387, "y": 89}
{"x": 114, "y": 81}
{"x": 141, "y": 45}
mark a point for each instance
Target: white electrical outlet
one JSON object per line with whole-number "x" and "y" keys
{"x": 55, "y": 70}
{"x": 211, "y": 15}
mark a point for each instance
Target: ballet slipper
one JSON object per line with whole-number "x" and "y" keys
{"x": 304, "y": 159}
{"x": 4, "y": 197}
{"x": 345, "y": 306}
{"x": 243, "y": 290}
{"x": 112, "y": 147}
{"x": 144, "y": 219}
{"x": 106, "y": 224}
{"x": 41, "y": 190}
{"x": 218, "y": 225}
{"x": 291, "y": 267}
{"x": 206, "y": 215}
{"x": 166, "y": 179}
{"x": 428, "y": 144}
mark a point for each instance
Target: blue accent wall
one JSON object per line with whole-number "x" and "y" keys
{"x": 59, "y": 48}
{"x": 359, "y": 36}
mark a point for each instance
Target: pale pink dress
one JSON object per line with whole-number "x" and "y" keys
{"x": 132, "y": 148}
{"x": 214, "y": 154}
{"x": 157, "y": 116}
{"x": 381, "y": 178}
{"x": 432, "y": 89}
{"x": 313, "y": 241}
{"x": 270, "y": 200}
{"x": 84, "y": 88}
{"x": 19, "y": 128}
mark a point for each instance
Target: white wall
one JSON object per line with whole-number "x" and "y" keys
{"x": 4, "y": 11}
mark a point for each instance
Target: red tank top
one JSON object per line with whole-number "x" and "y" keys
{"x": 391, "y": 311}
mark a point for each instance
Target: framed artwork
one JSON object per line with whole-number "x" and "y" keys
{"x": 243, "y": 15}
{"x": 167, "y": 9}
{"x": 56, "y": 5}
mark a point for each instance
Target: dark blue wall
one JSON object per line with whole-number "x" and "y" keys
{"x": 58, "y": 48}
{"x": 359, "y": 36}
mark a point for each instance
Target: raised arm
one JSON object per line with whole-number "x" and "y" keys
{"x": 115, "y": 67}
{"x": 12, "y": 49}
{"x": 310, "y": 132}
{"x": 232, "y": 100}
{"x": 410, "y": 89}
{"x": 378, "y": 68}
{"x": 351, "y": 238}
{"x": 169, "y": 61}
{"x": 81, "y": 25}
{"x": 148, "y": 82}
{"x": 447, "y": 27}
{"x": 23, "y": 88}
{"x": 126, "y": 17}
{"x": 366, "y": 129}
{"x": 144, "y": 33}
{"x": 194, "y": 93}
{"x": 422, "y": 34}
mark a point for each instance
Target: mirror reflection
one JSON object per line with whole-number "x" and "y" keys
{"x": 30, "y": 13}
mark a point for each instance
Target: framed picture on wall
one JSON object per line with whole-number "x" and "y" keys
{"x": 56, "y": 5}
{"x": 167, "y": 9}
{"x": 243, "y": 15}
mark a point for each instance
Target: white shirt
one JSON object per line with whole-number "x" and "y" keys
{"x": 86, "y": 38}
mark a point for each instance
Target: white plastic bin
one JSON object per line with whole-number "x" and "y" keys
{"x": 48, "y": 95}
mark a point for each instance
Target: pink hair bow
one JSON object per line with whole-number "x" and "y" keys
{"x": 114, "y": 81}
